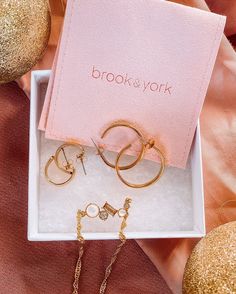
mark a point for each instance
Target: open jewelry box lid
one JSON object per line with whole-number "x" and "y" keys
{"x": 172, "y": 208}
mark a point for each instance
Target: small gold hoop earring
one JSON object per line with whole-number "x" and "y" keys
{"x": 70, "y": 172}
{"x": 149, "y": 145}
{"x": 68, "y": 166}
{"x": 129, "y": 126}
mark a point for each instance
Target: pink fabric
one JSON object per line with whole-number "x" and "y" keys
{"x": 159, "y": 87}
{"x": 47, "y": 100}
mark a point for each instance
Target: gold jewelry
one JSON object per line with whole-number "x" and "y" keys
{"x": 70, "y": 171}
{"x": 67, "y": 166}
{"x": 115, "y": 125}
{"x": 149, "y": 145}
{"x": 145, "y": 145}
{"x": 93, "y": 210}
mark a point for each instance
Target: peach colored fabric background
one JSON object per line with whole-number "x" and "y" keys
{"x": 27, "y": 267}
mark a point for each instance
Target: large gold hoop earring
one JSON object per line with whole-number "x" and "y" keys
{"x": 70, "y": 172}
{"x": 149, "y": 145}
{"x": 140, "y": 136}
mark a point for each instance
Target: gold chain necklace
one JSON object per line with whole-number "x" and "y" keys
{"x": 103, "y": 214}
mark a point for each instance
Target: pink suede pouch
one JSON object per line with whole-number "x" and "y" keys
{"x": 46, "y": 105}
{"x": 117, "y": 61}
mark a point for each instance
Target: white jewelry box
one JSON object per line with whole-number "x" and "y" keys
{"x": 172, "y": 208}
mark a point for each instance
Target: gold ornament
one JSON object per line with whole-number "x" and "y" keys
{"x": 24, "y": 33}
{"x": 211, "y": 268}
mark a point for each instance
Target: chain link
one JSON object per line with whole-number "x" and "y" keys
{"x": 80, "y": 238}
{"x": 109, "y": 267}
{"x": 78, "y": 270}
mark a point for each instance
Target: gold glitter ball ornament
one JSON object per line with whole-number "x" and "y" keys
{"x": 24, "y": 33}
{"x": 211, "y": 268}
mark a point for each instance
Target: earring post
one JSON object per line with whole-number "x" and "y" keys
{"x": 82, "y": 162}
{"x": 65, "y": 155}
{"x": 80, "y": 157}
{"x": 96, "y": 146}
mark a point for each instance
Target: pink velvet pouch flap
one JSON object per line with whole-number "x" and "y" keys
{"x": 148, "y": 62}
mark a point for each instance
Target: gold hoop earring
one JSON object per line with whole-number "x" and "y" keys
{"x": 71, "y": 173}
{"x": 149, "y": 145}
{"x": 67, "y": 166}
{"x": 127, "y": 125}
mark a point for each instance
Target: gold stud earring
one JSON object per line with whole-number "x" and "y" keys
{"x": 126, "y": 125}
{"x": 149, "y": 145}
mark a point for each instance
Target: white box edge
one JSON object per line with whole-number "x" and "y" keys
{"x": 41, "y": 76}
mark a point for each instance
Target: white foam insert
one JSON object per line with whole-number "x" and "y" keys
{"x": 169, "y": 208}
